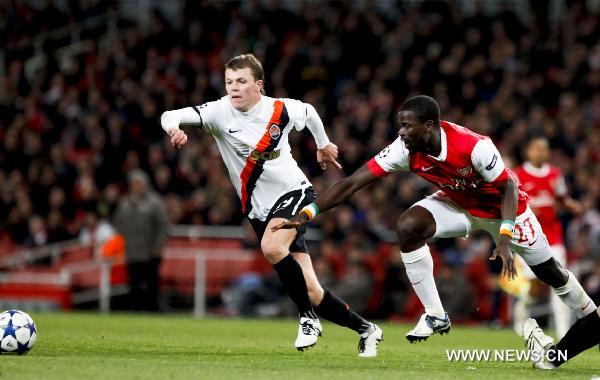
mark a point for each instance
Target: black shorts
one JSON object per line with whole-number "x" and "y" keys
{"x": 287, "y": 206}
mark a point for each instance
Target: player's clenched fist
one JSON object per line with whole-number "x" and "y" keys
{"x": 178, "y": 137}
{"x": 328, "y": 154}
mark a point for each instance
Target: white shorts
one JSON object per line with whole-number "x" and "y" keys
{"x": 451, "y": 220}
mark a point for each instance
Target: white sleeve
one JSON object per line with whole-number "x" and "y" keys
{"x": 205, "y": 116}
{"x": 394, "y": 157}
{"x": 316, "y": 127}
{"x": 172, "y": 119}
{"x": 487, "y": 160}
{"x": 305, "y": 115}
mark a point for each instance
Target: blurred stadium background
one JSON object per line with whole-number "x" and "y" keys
{"x": 83, "y": 84}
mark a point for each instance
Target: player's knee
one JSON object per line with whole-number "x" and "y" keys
{"x": 272, "y": 251}
{"x": 409, "y": 232}
{"x": 551, "y": 273}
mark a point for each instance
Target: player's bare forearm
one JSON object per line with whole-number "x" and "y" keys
{"x": 509, "y": 203}
{"x": 344, "y": 189}
{"x": 510, "y": 199}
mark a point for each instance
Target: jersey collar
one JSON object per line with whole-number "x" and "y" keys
{"x": 255, "y": 108}
{"x": 536, "y": 172}
{"x": 444, "y": 143}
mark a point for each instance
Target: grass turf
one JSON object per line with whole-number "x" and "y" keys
{"x": 122, "y": 346}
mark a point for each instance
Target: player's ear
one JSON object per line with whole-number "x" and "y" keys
{"x": 261, "y": 85}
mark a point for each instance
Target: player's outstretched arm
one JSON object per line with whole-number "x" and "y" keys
{"x": 338, "y": 193}
{"x": 171, "y": 120}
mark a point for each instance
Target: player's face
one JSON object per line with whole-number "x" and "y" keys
{"x": 243, "y": 90}
{"x": 538, "y": 152}
{"x": 412, "y": 131}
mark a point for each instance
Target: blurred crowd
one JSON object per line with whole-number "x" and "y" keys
{"x": 75, "y": 125}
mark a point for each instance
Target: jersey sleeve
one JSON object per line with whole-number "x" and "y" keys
{"x": 305, "y": 115}
{"x": 210, "y": 114}
{"x": 204, "y": 116}
{"x": 173, "y": 119}
{"x": 487, "y": 161}
{"x": 393, "y": 158}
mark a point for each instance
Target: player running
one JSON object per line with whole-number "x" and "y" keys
{"x": 477, "y": 192}
{"x": 251, "y": 131}
{"x": 546, "y": 188}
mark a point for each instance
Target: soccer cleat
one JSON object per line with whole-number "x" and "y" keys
{"x": 537, "y": 341}
{"x": 309, "y": 330}
{"x": 369, "y": 340}
{"x": 427, "y": 326}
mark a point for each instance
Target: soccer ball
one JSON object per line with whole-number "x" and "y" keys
{"x": 17, "y": 332}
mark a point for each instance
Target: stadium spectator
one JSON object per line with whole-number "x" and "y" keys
{"x": 142, "y": 220}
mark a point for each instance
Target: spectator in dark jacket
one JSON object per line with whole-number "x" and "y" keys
{"x": 142, "y": 219}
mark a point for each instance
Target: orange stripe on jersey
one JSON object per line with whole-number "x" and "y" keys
{"x": 275, "y": 119}
{"x": 253, "y": 168}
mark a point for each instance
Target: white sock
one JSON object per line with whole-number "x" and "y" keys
{"x": 562, "y": 315}
{"x": 419, "y": 269}
{"x": 575, "y": 297}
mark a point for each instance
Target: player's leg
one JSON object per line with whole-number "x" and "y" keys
{"x": 276, "y": 249}
{"x": 432, "y": 217}
{"x": 332, "y": 308}
{"x": 565, "y": 285}
{"x": 531, "y": 243}
{"x": 584, "y": 334}
{"x": 560, "y": 311}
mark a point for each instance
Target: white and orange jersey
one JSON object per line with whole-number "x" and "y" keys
{"x": 468, "y": 169}
{"x": 544, "y": 185}
{"x": 254, "y": 145}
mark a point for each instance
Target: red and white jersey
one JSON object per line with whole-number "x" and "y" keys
{"x": 468, "y": 169}
{"x": 254, "y": 145}
{"x": 544, "y": 185}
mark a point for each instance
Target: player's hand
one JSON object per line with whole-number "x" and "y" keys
{"x": 178, "y": 138}
{"x": 328, "y": 154}
{"x": 508, "y": 261}
{"x": 296, "y": 221}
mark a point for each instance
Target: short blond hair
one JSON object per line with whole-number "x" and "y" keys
{"x": 247, "y": 61}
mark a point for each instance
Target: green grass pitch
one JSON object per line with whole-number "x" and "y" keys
{"x": 122, "y": 346}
